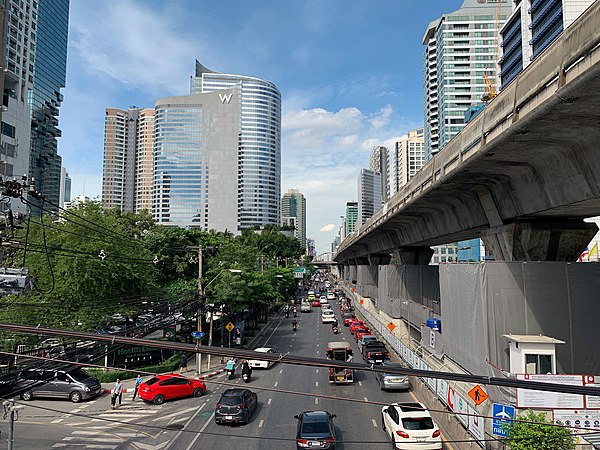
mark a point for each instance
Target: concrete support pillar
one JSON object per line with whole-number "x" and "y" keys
{"x": 539, "y": 241}
{"x": 414, "y": 256}
{"x": 380, "y": 259}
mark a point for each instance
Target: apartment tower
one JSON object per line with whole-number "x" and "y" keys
{"x": 293, "y": 211}
{"x": 407, "y": 159}
{"x": 369, "y": 194}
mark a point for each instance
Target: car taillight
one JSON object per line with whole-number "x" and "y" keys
{"x": 302, "y": 441}
{"x": 368, "y": 354}
{"x": 402, "y": 434}
{"x": 218, "y": 406}
{"x": 388, "y": 355}
{"x": 242, "y": 406}
{"x": 436, "y": 433}
{"x": 330, "y": 440}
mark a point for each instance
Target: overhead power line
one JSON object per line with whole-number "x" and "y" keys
{"x": 308, "y": 361}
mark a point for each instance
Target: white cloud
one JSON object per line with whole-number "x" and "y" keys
{"x": 322, "y": 122}
{"x": 327, "y": 228}
{"x": 382, "y": 118}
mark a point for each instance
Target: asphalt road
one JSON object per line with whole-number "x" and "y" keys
{"x": 283, "y": 391}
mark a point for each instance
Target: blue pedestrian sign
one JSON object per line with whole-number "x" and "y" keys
{"x": 502, "y": 414}
{"x": 198, "y": 334}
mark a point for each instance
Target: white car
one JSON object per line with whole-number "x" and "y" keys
{"x": 257, "y": 363}
{"x": 330, "y": 296}
{"x": 327, "y": 316}
{"x": 410, "y": 427}
{"x": 305, "y": 307}
{"x": 324, "y": 300}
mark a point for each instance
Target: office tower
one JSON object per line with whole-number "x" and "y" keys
{"x": 379, "y": 162}
{"x": 461, "y": 50}
{"x": 369, "y": 194}
{"x": 407, "y": 159}
{"x": 47, "y": 57}
{"x": 531, "y": 28}
{"x": 293, "y": 211}
{"x": 258, "y": 159}
{"x": 351, "y": 217}
{"x": 65, "y": 187}
{"x": 128, "y": 159}
{"x": 311, "y": 250}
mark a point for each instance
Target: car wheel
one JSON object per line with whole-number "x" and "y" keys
{"x": 75, "y": 396}
{"x": 27, "y": 395}
{"x": 198, "y": 392}
{"x": 159, "y": 399}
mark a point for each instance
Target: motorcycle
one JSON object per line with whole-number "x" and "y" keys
{"x": 246, "y": 377}
{"x": 231, "y": 373}
{"x": 294, "y": 325}
{"x": 335, "y": 329}
{"x": 295, "y": 312}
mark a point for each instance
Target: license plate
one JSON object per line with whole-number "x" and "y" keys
{"x": 420, "y": 439}
{"x": 314, "y": 444}
{"x": 228, "y": 417}
{"x": 341, "y": 377}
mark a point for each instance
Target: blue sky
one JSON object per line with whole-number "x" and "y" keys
{"x": 350, "y": 73}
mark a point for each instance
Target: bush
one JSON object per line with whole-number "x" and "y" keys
{"x": 534, "y": 431}
{"x": 110, "y": 376}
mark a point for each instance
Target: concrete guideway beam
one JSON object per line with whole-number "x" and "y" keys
{"x": 381, "y": 259}
{"x": 539, "y": 241}
{"x": 414, "y": 256}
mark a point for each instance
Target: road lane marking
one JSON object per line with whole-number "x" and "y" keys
{"x": 316, "y": 384}
{"x": 366, "y": 399}
{"x": 178, "y": 413}
{"x": 374, "y": 423}
{"x": 189, "y": 447}
{"x": 316, "y": 400}
{"x": 317, "y": 370}
{"x": 317, "y": 352}
{"x": 281, "y": 371}
{"x": 192, "y": 417}
{"x": 276, "y": 383}
{"x": 260, "y": 424}
{"x": 360, "y": 383}
{"x": 269, "y": 402}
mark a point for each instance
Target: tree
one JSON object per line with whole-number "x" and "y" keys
{"x": 533, "y": 431}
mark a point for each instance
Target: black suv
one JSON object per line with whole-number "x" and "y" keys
{"x": 236, "y": 406}
{"x": 375, "y": 352}
{"x": 315, "y": 430}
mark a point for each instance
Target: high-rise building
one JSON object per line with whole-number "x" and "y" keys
{"x": 128, "y": 159}
{"x": 531, "y": 28}
{"x": 461, "y": 49}
{"x": 311, "y": 249}
{"x": 351, "y": 217}
{"x": 293, "y": 211}
{"x": 379, "y": 162}
{"x": 47, "y": 57}
{"x": 369, "y": 194}
{"x": 259, "y": 149}
{"x": 407, "y": 159}
{"x": 65, "y": 188}
{"x": 33, "y": 52}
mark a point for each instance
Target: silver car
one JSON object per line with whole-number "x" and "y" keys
{"x": 392, "y": 381}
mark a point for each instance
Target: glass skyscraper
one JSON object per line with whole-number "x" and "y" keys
{"x": 49, "y": 76}
{"x": 259, "y": 152}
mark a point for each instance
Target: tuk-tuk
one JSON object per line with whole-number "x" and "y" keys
{"x": 340, "y": 351}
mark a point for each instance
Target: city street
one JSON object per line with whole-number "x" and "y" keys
{"x": 189, "y": 423}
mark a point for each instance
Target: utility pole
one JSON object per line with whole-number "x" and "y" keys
{"x": 10, "y": 408}
{"x": 200, "y": 304}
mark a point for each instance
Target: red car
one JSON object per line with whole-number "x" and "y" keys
{"x": 360, "y": 332}
{"x": 167, "y": 387}
{"x": 348, "y": 318}
{"x": 316, "y": 302}
{"x": 355, "y": 324}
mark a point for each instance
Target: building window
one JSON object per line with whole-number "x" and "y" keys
{"x": 538, "y": 364}
{"x": 8, "y": 130}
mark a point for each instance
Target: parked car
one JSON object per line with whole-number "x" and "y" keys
{"x": 347, "y": 318}
{"x": 74, "y": 384}
{"x": 410, "y": 427}
{"x": 305, "y": 307}
{"x": 235, "y": 406}
{"x": 259, "y": 364}
{"x": 392, "y": 381}
{"x": 327, "y": 316}
{"x": 315, "y": 430}
{"x": 375, "y": 352}
{"x": 355, "y": 324}
{"x": 363, "y": 340}
{"x": 169, "y": 387}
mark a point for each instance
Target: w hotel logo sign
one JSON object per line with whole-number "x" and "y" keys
{"x": 225, "y": 98}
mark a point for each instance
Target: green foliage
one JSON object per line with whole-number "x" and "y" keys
{"x": 110, "y": 376}
{"x": 533, "y": 431}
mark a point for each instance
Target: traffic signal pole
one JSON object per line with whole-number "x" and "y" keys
{"x": 200, "y": 302}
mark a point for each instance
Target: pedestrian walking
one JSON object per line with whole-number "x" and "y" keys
{"x": 117, "y": 393}
{"x": 138, "y": 381}
{"x": 183, "y": 367}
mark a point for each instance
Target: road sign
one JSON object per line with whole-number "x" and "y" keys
{"x": 169, "y": 333}
{"x": 198, "y": 334}
{"x": 478, "y": 395}
{"x": 230, "y": 327}
{"x": 391, "y": 326}
{"x": 501, "y": 415}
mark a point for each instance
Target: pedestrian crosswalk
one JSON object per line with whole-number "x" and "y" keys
{"x": 110, "y": 429}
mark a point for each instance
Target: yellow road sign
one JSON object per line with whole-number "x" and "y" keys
{"x": 230, "y": 326}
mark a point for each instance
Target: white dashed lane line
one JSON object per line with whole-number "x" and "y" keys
{"x": 260, "y": 424}
{"x": 360, "y": 383}
{"x": 316, "y": 384}
{"x": 366, "y": 399}
{"x": 276, "y": 383}
{"x": 374, "y": 423}
{"x": 316, "y": 401}
{"x": 269, "y": 402}
{"x": 317, "y": 370}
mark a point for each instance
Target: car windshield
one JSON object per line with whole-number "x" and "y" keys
{"x": 151, "y": 381}
{"x": 79, "y": 375}
{"x": 417, "y": 423}
{"x": 231, "y": 400}
{"x": 312, "y": 428}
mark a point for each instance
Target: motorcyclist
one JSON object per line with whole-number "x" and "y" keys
{"x": 295, "y": 311}
{"x": 295, "y": 324}
{"x": 287, "y": 311}
{"x": 230, "y": 366}
{"x": 246, "y": 369}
